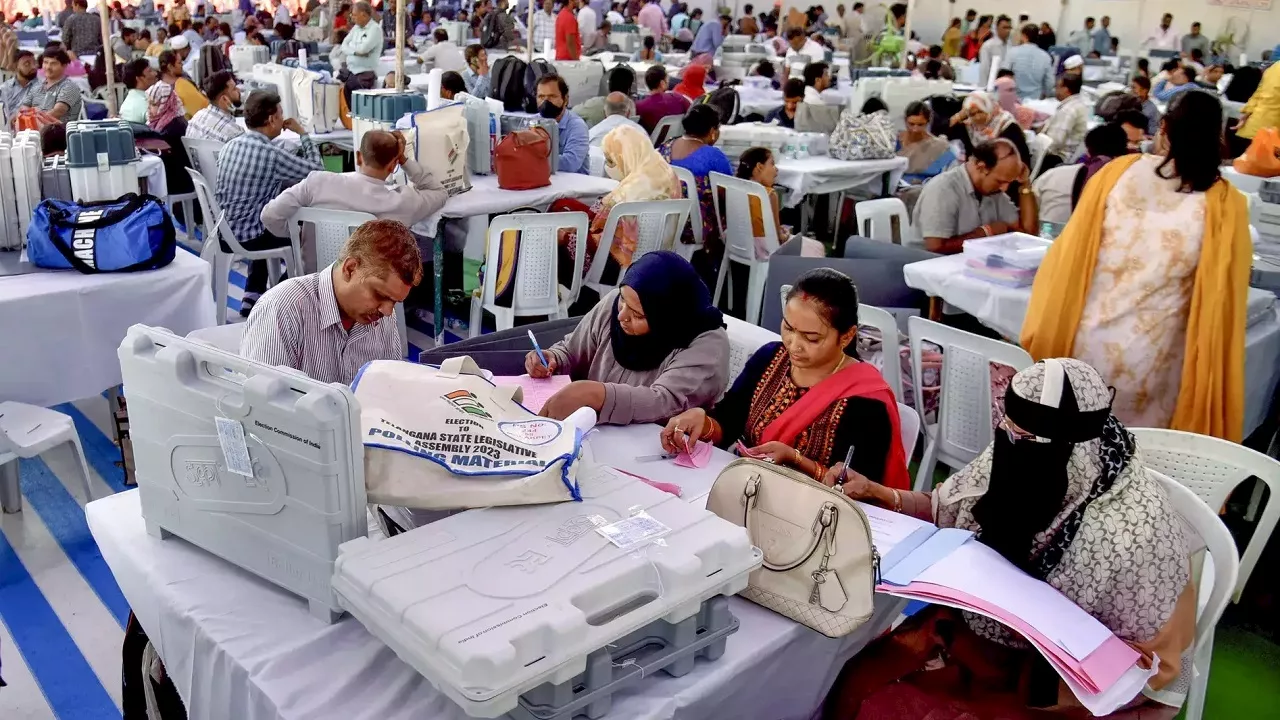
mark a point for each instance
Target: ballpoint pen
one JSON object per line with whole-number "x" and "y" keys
{"x": 848, "y": 458}
{"x": 538, "y": 349}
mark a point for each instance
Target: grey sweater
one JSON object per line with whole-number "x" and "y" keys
{"x": 690, "y": 377}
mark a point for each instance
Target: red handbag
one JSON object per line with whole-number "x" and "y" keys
{"x": 522, "y": 160}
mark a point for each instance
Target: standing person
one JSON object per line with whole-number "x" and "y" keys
{"x": 216, "y": 121}
{"x": 659, "y": 103}
{"x": 1193, "y": 41}
{"x": 568, "y": 34}
{"x": 138, "y": 76}
{"x": 13, "y": 89}
{"x": 1068, "y": 125}
{"x": 952, "y": 38}
{"x": 995, "y": 49}
{"x": 56, "y": 94}
{"x": 1164, "y": 38}
{"x": 976, "y": 36}
{"x": 588, "y": 24}
{"x": 1032, "y": 67}
{"x": 1102, "y": 37}
{"x": 651, "y": 17}
{"x": 970, "y": 16}
{"x": 553, "y": 104}
{"x": 251, "y": 171}
{"x": 710, "y": 36}
{"x": 544, "y": 27}
{"x": 1048, "y": 38}
{"x": 1082, "y": 40}
{"x": 1169, "y": 329}
{"x": 747, "y": 25}
{"x": 82, "y": 33}
{"x": 1263, "y": 108}
{"x": 361, "y": 49}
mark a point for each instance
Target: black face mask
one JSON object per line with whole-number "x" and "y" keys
{"x": 549, "y": 110}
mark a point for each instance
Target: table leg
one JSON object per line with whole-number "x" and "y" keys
{"x": 113, "y": 404}
{"x": 10, "y": 492}
{"x": 884, "y": 184}
{"x": 437, "y": 269}
{"x": 935, "y": 309}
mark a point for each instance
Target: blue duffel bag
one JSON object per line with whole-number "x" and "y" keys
{"x": 133, "y": 232}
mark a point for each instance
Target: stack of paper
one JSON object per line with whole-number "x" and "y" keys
{"x": 942, "y": 566}
{"x": 537, "y": 391}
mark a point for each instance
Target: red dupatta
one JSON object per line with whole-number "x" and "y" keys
{"x": 857, "y": 380}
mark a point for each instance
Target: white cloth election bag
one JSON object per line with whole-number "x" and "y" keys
{"x": 446, "y": 438}
{"x": 820, "y": 564}
{"x": 440, "y": 142}
{"x": 317, "y": 103}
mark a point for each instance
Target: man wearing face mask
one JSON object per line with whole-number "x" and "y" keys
{"x": 969, "y": 201}
{"x": 553, "y": 100}
{"x": 216, "y": 121}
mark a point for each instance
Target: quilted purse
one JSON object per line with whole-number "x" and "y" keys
{"x": 820, "y": 565}
{"x": 863, "y": 137}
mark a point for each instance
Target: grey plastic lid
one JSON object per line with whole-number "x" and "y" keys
{"x": 89, "y": 140}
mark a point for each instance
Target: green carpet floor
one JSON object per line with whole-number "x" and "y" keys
{"x": 1244, "y": 680}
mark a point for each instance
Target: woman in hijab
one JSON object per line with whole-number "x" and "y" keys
{"x": 982, "y": 119}
{"x": 649, "y": 350}
{"x": 1007, "y": 95}
{"x": 1062, "y": 494}
{"x": 805, "y": 401}
{"x": 629, "y": 158}
{"x": 691, "y": 82}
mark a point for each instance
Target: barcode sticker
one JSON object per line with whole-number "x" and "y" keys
{"x": 234, "y": 450}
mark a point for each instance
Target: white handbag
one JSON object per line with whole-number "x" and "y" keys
{"x": 820, "y": 565}
{"x": 446, "y": 438}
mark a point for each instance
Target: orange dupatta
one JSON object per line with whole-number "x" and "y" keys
{"x": 1211, "y": 394}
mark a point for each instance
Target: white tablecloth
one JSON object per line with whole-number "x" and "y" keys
{"x": 820, "y": 175}
{"x": 151, "y": 167}
{"x": 486, "y": 198}
{"x": 1003, "y": 309}
{"x": 61, "y": 329}
{"x": 239, "y": 647}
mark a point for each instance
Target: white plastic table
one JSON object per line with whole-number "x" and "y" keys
{"x": 1003, "y": 309}
{"x": 61, "y": 329}
{"x": 239, "y": 647}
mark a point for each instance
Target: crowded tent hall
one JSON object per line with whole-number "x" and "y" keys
{"x": 643, "y": 359}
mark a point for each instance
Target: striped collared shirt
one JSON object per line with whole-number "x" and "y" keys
{"x": 252, "y": 170}
{"x": 297, "y": 324}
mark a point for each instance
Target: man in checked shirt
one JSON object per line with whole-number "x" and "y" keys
{"x": 252, "y": 170}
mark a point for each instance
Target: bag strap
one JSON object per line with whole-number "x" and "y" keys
{"x": 824, "y": 526}
{"x": 57, "y": 218}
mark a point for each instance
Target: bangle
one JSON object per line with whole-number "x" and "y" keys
{"x": 897, "y": 500}
{"x": 818, "y": 471}
{"x": 986, "y": 230}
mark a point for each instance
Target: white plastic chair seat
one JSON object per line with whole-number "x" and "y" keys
{"x": 875, "y": 219}
{"x": 690, "y": 184}
{"x": 224, "y": 337}
{"x": 27, "y": 431}
{"x": 964, "y": 423}
{"x": 660, "y": 224}
{"x": 734, "y": 218}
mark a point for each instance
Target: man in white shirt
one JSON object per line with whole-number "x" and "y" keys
{"x": 817, "y": 77}
{"x": 544, "y": 27}
{"x": 444, "y": 54}
{"x": 361, "y": 49}
{"x": 282, "y": 16}
{"x": 1164, "y": 38}
{"x": 1082, "y": 40}
{"x": 994, "y": 49}
{"x": 618, "y": 111}
{"x": 588, "y": 25}
{"x": 330, "y": 323}
{"x": 800, "y": 44}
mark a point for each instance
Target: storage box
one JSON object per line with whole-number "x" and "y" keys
{"x": 26, "y": 159}
{"x": 11, "y": 236}
{"x": 1011, "y": 259}
{"x": 102, "y": 159}
{"x": 387, "y": 105}
{"x": 304, "y": 493}
{"x": 490, "y": 604}
{"x": 244, "y": 57}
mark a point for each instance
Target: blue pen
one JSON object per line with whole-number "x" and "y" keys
{"x": 538, "y": 350}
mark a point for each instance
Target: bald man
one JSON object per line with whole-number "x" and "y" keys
{"x": 366, "y": 189}
{"x": 971, "y": 201}
{"x": 619, "y": 110}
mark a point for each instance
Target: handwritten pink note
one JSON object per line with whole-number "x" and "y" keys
{"x": 700, "y": 456}
{"x": 536, "y": 391}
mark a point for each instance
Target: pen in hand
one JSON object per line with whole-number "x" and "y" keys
{"x": 848, "y": 458}
{"x": 541, "y": 356}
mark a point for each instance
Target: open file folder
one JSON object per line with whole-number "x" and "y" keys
{"x": 941, "y": 565}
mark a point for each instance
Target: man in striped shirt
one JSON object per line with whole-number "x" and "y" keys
{"x": 329, "y": 324}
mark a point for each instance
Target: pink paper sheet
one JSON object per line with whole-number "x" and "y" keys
{"x": 536, "y": 391}
{"x": 700, "y": 456}
{"x": 666, "y": 487}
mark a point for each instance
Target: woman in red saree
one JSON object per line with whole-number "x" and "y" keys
{"x": 805, "y": 401}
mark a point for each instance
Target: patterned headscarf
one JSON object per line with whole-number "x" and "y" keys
{"x": 644, "y": 174}
{"x": 1116, "y": 547}
{"x": 998, "y": 118}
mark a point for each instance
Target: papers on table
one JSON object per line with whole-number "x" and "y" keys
{"x": 536, "y": 391}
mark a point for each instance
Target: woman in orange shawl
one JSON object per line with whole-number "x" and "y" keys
{"x": 1148, "y": 282}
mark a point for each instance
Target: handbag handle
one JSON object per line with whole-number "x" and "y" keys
{"x": 824, "y": 522}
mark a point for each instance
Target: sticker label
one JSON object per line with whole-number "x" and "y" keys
{"x": 234, "y": 450}
{"x": 630, "y": 532}
{"x": 531, "y": 432}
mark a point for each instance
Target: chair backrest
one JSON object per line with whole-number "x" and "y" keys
{"x": 668, "y": 128}
{"x": 734, "y": 216}
{"x": 1204, "y": 520}
{"x": 536, "y": 289}
{"x": 203, "y": 155}
{"x": 1212, "y": 468}
{"x": 690, "y": 184}
{"x": 964, "y": 408}
{"x": 875, "y": 218}
{"x": 223, "y": 337}
{"x": 744, "y": 340}
{"x": 659, "y": 226}
{"x": 215, "y": 222}
{"x": 1039, "y": 146}
{"x": 909, "y": 428}
{"x": 331, "y": 227}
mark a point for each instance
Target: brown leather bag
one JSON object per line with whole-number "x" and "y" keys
{"x": 522, "y": 160}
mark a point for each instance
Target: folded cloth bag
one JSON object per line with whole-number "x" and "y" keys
{"x": 443, "y": 438}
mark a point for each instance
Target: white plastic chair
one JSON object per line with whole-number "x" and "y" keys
{"x": 963, "y": 430}
{"x": 203, "y": 155}
{"x": 734, "y": 219}
{"x": 27, "y": 431}
{"x": 744, "y": 340}
{"x": 224, "y": 337}
{"x": 537, "y": 286}
{"x": 1218, "y": 575}
{"x": 875, "y": 219}
{"x": 909, "y": 428}
{"x": 668, "y": 128}
{"x": 216, "y": 228}
{"x": 660, "y": 224}
{"x": 690, "y": 184}
{"x": 1212, "y": 468}
{"x": 1039, "y": 145}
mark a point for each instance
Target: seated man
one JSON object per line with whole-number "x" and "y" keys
{"x": 618, "y": 109}
{"x": 55, "y": 94}
{"x": 970, "y": 201}
{"x": 1180, "y": 80}
{"x": 251, "y": 171}
{"x": 366, "y": 189}
{"x": 1069, "y": 123}
{"x": 216, "y": 122}
{"x": 329, "y": 324}
{"x": 621, "y": 80}
{"x": 444, "y": 54}
{"x": 553, "y": 104}
{"x": 451, "y": 84}
{"x": 660, "y": 102}
{"x": 792, "y": 95}
{"x": 138, "y": 77}
{"x": 817, "y": 77}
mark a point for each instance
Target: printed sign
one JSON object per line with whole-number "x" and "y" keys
{"x": 1244, "y": 4}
